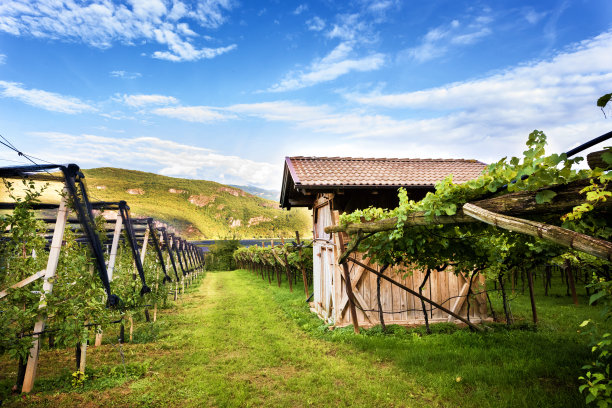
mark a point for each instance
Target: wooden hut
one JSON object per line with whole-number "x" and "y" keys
{"x": 331, "y": 186}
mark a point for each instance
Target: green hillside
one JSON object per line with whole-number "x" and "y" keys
{"x": 196, "y": 208}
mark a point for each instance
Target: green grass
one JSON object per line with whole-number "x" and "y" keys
{"x": 235, "y": 340}
{"x": 212, "y": 220}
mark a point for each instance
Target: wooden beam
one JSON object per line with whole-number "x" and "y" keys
{"x": 348, "y": 287}
{"x": 144, "y": 246}
{"x": 113, "y": 254}
{"x": 595, "y": 159}
{"x": 519, "y": 203}
{"x": 562, "y": 236}
{"x": 460, "y": 300}
{"x": 24, "y": 282}
{"x": 52, "y": 261}
{"x": 412, "y": 292}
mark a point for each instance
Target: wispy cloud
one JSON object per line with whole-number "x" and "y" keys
{"x": 300, "y": 9}
{"x": 532, "y": 16}
{"x": 50, "y": 101}
{"x": 125, "y": 74}
{"x": 162, "y": 156}
{"x": 563, "y": 80}
{"x": 351, "y": 27}
{"x": 200, "y": 114}
{"x": 315, "y": 24}
{"x": 438, "y": 41}
{"x": 486, "y": 118}
{"x": 100, "y": 24}
{"x": 335, "y": 64}
{"x": 2, "y": 59}
{"x": 140, "y": 100}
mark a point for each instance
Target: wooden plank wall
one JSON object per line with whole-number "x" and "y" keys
{"x": 331, "y": 303}
{"x": 441, "y": 288}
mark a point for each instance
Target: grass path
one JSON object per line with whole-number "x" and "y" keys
{"x": 229, "y": 344}
{"x": 235, "y": 340}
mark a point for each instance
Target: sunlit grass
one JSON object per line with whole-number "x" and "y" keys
{"x": 235, "y": 340}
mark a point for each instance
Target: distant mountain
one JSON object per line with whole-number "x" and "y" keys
{"x": 273, "y": 195}
{"x": 197, "y": 209}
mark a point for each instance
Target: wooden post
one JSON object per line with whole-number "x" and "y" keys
{"x": 54, "y": 253}
{"x": 297, "y": 238}
{"x": 111, "y": 264}
{"x": 348, "y": 287}
{"x": 534, "y": 312}
{"x": 143, "y": 253}
{"x": 570, "y": 280}
{"x": 144, "y": 246}
{"x": 115, "y": 244}
{"x": 131, "y": 328}
{"x": 82, "y": 363}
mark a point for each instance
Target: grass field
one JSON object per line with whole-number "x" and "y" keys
{"x": 235, "y": 340}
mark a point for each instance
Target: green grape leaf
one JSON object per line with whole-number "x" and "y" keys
{"x": 545, "y": 196}
{"x": 603, "y": 101}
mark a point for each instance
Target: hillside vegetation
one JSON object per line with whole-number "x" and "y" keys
{"x": 196, "y": 208}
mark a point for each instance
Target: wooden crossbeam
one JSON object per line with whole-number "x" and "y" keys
{"x": 24, "y": 282}
{"x": 562, "y": 236}
{"x": 459, "y": 301}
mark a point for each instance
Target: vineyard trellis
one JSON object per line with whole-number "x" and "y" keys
{"x": 292, "y": 259}
{"x": 68, "y": 298}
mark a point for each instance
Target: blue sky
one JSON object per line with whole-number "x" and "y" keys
{"x": 223, "y": 89}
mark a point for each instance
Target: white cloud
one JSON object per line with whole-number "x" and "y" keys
{"x": 300, "y": 9}
{"x": 439, "y": 40}
{"x": 102, "y": 23}
{"x": 125, "y": 74}
{"x": 569, "y": 78}
{"x": 46, "y": 100}
{"x": 533, "y": 16}
{"x": 328, "y": 68}
{"x": 350, "y": 27}
{"x": 486, "y": 118}
{"x": 315, "y": 24}
{"x": 162, "y": 156}
{"x": 201, "y": 114}
{"x": 2, "y": 59}
{"x": 140, "y": 100}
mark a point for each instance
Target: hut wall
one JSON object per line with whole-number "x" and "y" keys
{"x": 331, "y": 302}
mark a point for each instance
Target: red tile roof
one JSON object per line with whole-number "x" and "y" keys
{"x": 349, "y": 171}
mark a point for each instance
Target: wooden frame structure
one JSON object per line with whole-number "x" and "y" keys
{"x": 75, "y": 191}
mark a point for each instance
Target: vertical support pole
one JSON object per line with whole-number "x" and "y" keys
{"x": 82, "y": 362}
{"x": 111, "y": 263}
{"x": 534, "y": 312}
{"x": 54, "y": 253}
{"x": 144, "y": 246}
{"x": 348, "y": 286}
{"x": 114, "y": 245}
{"x": 297, "y": 239}
{"x": 571, "y": 280}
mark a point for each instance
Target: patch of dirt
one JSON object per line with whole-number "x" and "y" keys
{"x": 176, "y": 191}
{"x": 191, "y": 229}
{"x": 201, "y": 200}
{"x": 234, "y": 222}
{"x": 233, "y": 191}
{"x": 258, "y": 220}
{"x": 135, "y": 191}
{"x": 267, "y": 204}
{"x": 220, "y": 206}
